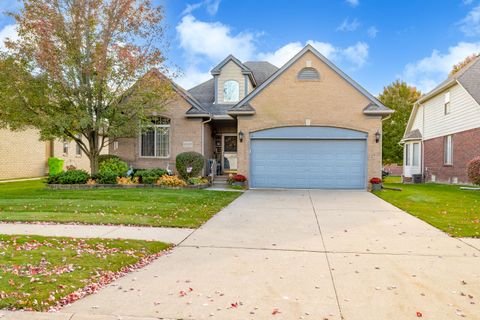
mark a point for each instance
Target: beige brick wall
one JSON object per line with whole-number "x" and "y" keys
{"x": 22, "y": 155}
{"x": 329, "y": 102}
{"x": 71, "y": 157}
{"x": 182, "y": 130}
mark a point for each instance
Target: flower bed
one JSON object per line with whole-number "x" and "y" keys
{"x": 121, "y": 186}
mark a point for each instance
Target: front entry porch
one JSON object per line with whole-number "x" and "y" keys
{"x": 225, "y": 142}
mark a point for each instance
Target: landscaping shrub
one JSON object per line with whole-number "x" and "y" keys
{"x": 113, "y": 166}
{"x": 127, "y": 180}
{"x": 106, "y": 178}
{"x": 171, "y": 181}
{"x": 150, "y": 176}
{"x": 103, "y": 157}
{"x": 473, "y": 170}
{"x": 189, "y": 164}
{"x": 53, "y": 178}
{"x": 73, "y": 177}
{"x": 197, "y": 181}
{"x": 55, "y": 166}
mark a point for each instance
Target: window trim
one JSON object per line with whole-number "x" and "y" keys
{"x": 169, "y": 126}
{"x": 223, "y": 91}
{"x": 408, "y": 161}
{"x": 448, "y": 159}
{"x": 65, "y": 147}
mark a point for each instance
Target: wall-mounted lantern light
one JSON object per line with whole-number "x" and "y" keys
{"x": 240, "y": 136}
{"x": 377, "y": 136}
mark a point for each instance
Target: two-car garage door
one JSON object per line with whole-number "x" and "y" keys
{"x": 308, "y": 158}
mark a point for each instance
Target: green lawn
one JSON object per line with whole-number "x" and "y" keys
{"x": 446, "y": 207}
{"x": 30, "y": 201}
{"x": 45, "y": 273}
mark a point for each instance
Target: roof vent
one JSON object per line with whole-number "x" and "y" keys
{"x": 308, "y": 74}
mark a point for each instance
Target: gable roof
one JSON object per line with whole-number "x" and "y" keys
{"x": 182, "y": 92}
{"x": 375, "y": 108}
{"x": 204, "y": 93}
{"x": 468, "y": 77}
{"x": 218, "y": 68}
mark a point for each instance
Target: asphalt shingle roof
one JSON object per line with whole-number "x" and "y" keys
{"x": 414, "y": 134}
{"x": 204, "y": 93}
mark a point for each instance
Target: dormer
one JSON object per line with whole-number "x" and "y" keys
{"x": 233, "y": 81}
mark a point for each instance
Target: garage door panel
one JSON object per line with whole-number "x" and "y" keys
{"x": 300, "y": 163}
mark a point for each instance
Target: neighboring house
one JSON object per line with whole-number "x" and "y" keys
{"x": 443, "y": 132}
{"x": 305, "y": 125}
{"x": 23, "y": 155}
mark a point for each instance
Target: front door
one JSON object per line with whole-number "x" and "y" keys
{"x": 229, "y": 146}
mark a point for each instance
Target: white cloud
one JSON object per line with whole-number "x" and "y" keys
{"x": 372, "y": 32}
{"x": 353, "y": 3}
{"x": 467, "y": 2}
{"x": 348, "y": 25}
{"x": 356, "y": 54}
{"x": 213, "y": 40}
{"x": 192, "y": 76}
{"x": 426, "y": 73}
{"x": 470, "y": 25}
{"x": 207, "y": 43}
{"x": 8, "y": 32}
{"x": 210, "y": 5}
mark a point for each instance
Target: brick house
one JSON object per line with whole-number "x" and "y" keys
{"x": 443, "y": 132}
{"x": 304, "y": 125}
{"x": 23, "y": 155}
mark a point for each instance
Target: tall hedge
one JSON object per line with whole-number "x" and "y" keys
{"x": 189, "y": 164}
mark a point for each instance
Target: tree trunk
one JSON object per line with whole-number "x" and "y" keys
{"x": 94, "y": 163}
{"x": 94, "y": 151}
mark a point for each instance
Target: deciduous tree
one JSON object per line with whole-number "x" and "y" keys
{"x": 74, "y": 71}
{"x": 400, "y": 97}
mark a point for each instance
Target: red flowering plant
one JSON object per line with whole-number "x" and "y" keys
{"x": 237, "y": 178}
{"x": 375, "y": 180}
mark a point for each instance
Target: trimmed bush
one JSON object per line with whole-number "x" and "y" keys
{"x": 103, "y": 157}
{"x": 189, "y": 164}
{"x": 72, "y": 177}
{"x": 473, "y": 170}
{"x": 113, "y": 166}
{"x": 106, "y": 178}
{"x": 55, "y": 166}
{"x": 150, "y": 176}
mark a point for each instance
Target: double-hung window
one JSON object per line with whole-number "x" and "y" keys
{"x": 448, "y": 150}
{"x": 78, "y": 150}
{"x": 155, "y": 142}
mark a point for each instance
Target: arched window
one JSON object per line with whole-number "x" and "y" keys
{"x": 231, "y": 91}
{"x": 155, "y": 142}
{"x": 308, "y": 74}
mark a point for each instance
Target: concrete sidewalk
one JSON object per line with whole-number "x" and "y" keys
{"x": 169, "y": 235}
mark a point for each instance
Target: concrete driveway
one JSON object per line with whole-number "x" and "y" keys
{"x": 299, "y": 254}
